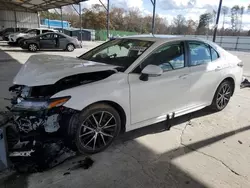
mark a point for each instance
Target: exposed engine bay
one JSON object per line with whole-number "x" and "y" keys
{"x": 40, "y": 127}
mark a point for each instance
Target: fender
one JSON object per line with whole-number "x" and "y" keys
{"x": 114, "y": 89}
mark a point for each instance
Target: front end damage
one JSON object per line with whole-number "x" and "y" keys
{"x": 40, "y": 130}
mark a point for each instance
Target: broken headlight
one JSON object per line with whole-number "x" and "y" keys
{"x": 37, "y": 105}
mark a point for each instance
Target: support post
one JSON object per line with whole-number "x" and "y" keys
{"x": 153, "y": 20}
{"x": 62, "y": 20}
{"x": 38, "y": 19}
{"x": 48, "y": 20}
{"x": 80, "y": 14}
{"x": 107, "y": 19}
{"x": 15, "y": 21}
{"x": 217, "y": 21}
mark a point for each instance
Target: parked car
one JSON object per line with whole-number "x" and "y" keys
{"x": 51, "y": 41}
{"x": 121, "y": 85}
{"x": 7, "y": 31}
{"x": 17, "y": 37}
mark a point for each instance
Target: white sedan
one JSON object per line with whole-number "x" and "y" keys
{"x": 122, "y": 85}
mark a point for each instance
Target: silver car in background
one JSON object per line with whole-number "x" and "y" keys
{"x": 50, "y": 40}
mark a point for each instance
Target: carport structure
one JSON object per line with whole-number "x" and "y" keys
{"x": 42, "y": 5}
{"x": 37, "y": 5}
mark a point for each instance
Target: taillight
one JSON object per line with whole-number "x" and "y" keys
{"x": 240, "y": 64}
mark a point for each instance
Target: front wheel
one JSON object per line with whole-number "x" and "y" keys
{"x": 222, "y": 96}
{"x": 98, "y": 126}
{"x": 70, "y": 47}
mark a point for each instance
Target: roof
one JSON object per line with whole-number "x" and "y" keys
{"x": 35, "y": 5}
{"x": 151, "y": 37}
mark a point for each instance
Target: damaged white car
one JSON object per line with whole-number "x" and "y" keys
{"x": 118, "y": 86}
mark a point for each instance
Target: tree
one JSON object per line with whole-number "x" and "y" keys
{"x": 235, "y": 18}
{"x": 179, "y": 23}
{"x": 204, "y": 21}
{"x": 224, "y": 12}
{"x": 241, "y": 16}
{"x": 191, "y": 26}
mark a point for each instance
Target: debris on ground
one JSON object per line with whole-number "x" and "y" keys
{"x": 85, "y": 164}
{"x": 245, "y": 83}
{"x": 239, "y": 142}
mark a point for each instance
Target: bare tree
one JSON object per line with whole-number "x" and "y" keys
{"x": 235, "y": 18}
{"x": 179, "y": 23}
{"x": 241, "y": 15}
{"x": 204, "y": 21}
{"x": 224, "y": 12}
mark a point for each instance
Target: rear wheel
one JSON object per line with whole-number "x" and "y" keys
{"x": 99, "y": 125}
{"x": 222, "y": 96}
{"x": 32, "y": 47}
{"x": 70, "y": 47}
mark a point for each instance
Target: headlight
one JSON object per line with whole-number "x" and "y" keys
{"x": 57, "y": 102}
{"x": 37, "y": 105}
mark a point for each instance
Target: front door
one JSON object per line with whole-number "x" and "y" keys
{"x": 47, "y": 41}
{"x": 164, "y": 94}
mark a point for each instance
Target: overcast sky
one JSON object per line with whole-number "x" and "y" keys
{"x": 171, "y": 8}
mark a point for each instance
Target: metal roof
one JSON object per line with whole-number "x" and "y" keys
{"x": 35, "y": 5}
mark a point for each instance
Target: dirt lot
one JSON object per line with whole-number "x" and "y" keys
{"x": 202, "y": 149}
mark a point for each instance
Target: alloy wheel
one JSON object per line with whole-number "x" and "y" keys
{"x": 98, "y": 130}
{"x": 223, "y": 96}
{"x": 70, "y": 48}
{"x": 32, "y": 47}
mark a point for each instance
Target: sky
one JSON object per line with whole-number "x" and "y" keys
{"x": 190, "y": 9}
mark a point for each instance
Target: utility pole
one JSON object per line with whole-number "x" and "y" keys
{"x": 217, "y": 21}
{"x": 153, "y": 21}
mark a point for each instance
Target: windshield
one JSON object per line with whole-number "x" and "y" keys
{"x": 119, "y": 52}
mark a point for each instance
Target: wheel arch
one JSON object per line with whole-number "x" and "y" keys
{"x": 232, "y": 81}
{"x": 118, "y": 108}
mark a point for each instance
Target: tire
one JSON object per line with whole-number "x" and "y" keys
{"x": 19, "y": 40}
{"x": 95, "y": 135}
{"x": 33, "y": 47}
{"x": 222, "y": 96}
{"x": 70, "y": 47}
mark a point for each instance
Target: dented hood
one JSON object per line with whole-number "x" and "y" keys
{"x": 48, "y": 69}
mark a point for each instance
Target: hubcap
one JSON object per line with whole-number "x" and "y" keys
{"x": 70, "y": 47}
{"x": 97, "y": 130}
{"x": 223, "y": 96}
{"x": 32, "y": 47}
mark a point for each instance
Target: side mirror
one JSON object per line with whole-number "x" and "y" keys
{"x": 150, "y": 71}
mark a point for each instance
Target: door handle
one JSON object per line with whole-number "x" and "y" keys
{"x": 183, "y": 76}
{"x": 218, "y": 68}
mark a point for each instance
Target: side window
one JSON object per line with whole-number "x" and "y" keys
{"x": 199, "y": 53}
{"x": 61, "y": 36}
{"x": 168, "y": 57}
{"x": 32, "y": 32}
{"x": 46, "y": 37}
{"x": 214, "y": 54}
{"x": 45, "y": 31}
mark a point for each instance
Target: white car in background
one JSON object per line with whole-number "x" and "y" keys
{"x": 119, "y": 86}
{"x": 17, "y": 37}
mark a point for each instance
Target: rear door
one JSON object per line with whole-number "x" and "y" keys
{"x": 47, "y": 41}
{"x": 206, "y": 72}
